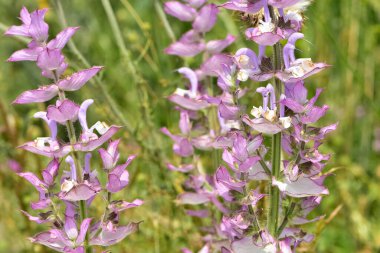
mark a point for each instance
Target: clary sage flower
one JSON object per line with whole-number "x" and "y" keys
{"x": 73, "y": 190}
{"x": 236, "y": 168}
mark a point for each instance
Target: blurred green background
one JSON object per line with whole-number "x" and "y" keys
{"x": 131, "y": 91}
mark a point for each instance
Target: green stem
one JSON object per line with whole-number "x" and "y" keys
{"x": 276, "y": 142}
{"x": 164, "y": 20}
{"x": 274, "y": 192}
{"x": 286, "y": 219}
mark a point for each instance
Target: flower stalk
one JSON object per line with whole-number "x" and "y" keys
{"x": 291, "y": 166}
{"x": 78, "y": 187}
{"x": 276, "y": 139}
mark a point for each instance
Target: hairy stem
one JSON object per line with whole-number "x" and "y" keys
{"x": 286, "y": 219}
{"x": 276, "y": 142}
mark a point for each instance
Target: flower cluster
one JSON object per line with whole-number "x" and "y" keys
{"x": 203, "y": 17}
{"x": 263, "y": 192}
{"x": 65, "y": 196}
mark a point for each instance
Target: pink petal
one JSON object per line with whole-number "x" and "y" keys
{"x": 29, "y": 54}
{"x": 21, "y": 30}
{"x": 282, "y": 3}
{"x": 42, "y": 94}
{"x": 246, "y": 245}
{"x": 214, "y": 64}
{"x": 66, "y": 111}
{"x": 107, "y": 238}
{"x": 181, "y": 11}
{"x": 77, "y": 80}
{"x": 247, "y": 7}
{"x": 46, "y": 151}
{"x": 262, "y": 125}
{"x": 185, "y": 49}
{"x": 34, "y": 180}
{"x": 79, "y": 192}
{"x": 62, "y": 38}
{"x": 217, "y": 46}
{"x": 94, "y": 144}
{"x": 206, "y": 18}
{"x": 302, "y": 187}
{"x": 188, "y": 103}
{"x": 83, "y": 230}
{"x": 196, "y": 3}
{"x": 38, "y": 27}
{"x": 191, "y": 198}
{"x": 264, "y": 39}
{"x": 124, "y": 205}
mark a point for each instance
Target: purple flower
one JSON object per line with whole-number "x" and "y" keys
{"x": 266, "y": 117}
{"x": 111, "y": 155}
{"x": 307, "y": 111}
{"x": 35, "y": 28}
{"x": 297, "y": 69}
{"x": 74, "y": 190}
{"x": 89, "y": 140}
{"x": 47, "y": 146}
{"x": 225, "y": 184}
{"x": 240, "y": 156}
{"x": 266, "y": 34}
{"x": 51, "y": 62}
{"x": 69, "y": 237}
{"x": 80, "y": 185}
{"x": 63, "y": 111}
{"x": 43, "y": 186}
{"x": 189, "y": 99}
{"x": 118, "y": 178}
